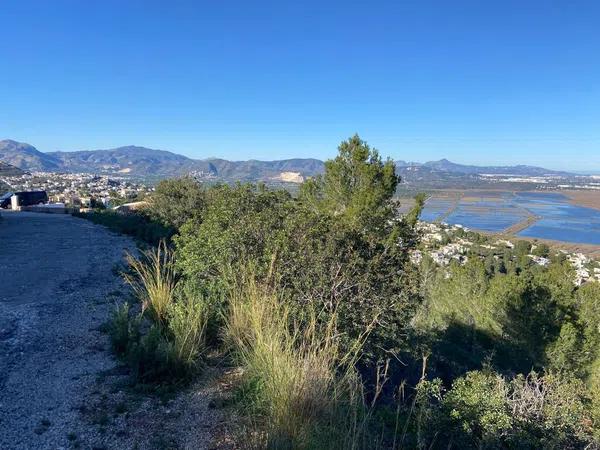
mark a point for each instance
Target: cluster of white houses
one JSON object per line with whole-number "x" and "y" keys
{"x": 443, "y": 245}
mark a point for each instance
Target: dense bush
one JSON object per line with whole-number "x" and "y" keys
{"x": 507, "y": 322}
{"x": 523, "y": 319}
{"x": 484, "y": 410}
{"x": 175, "y": 201}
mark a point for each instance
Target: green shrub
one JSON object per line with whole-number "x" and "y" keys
{"x": 476, "y": 405}
{"x": 150, "y": 357}
{"x": 552, "y": 411}
{"x": 175, "y": 201}
{"x": 485, "y": 410}
{"x": 314, "y": 259}
{"x": 296, "y": 377}
{"x": 123, "y": 330}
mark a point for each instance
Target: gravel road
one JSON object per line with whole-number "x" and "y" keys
{"x": 60, "y": 387}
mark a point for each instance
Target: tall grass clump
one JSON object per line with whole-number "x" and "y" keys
{"x": 154, "y": 281}
{"x": 187, "y": 321}
{"x": 298, "y": 384}
{"x": 166, "y": 340}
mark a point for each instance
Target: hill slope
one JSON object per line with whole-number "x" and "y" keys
{"x": 27, "y": 157}
{"x": 448, "y": 166}
{"x": 8, "y": 170}
{"x": 261, "y": 170}
{"x": 131, "y": 159}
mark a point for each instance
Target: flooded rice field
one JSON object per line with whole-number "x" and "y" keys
{"x": 539, "y": 215}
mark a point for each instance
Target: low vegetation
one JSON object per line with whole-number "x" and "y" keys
{"x": 166, "y": 338}
{"x": 344, "y": 341}
{"x": 298, "y": 385}
{"x": 138, "y": 225}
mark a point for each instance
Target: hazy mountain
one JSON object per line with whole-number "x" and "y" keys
{"x": 27, "y": 157}
{"x": 425, "y": 176}
{"x": 402, "y": 163}
{"x": 448, "y": 166}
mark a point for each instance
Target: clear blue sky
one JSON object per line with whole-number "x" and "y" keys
{"x": 478, "y": 81}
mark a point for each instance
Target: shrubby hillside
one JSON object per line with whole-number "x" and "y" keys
{"x": 346, "y": 340}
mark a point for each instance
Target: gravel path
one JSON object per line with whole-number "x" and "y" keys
{"x": 60, "y": 387}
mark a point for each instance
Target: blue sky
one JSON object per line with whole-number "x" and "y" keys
{"x": 476, "y": 82}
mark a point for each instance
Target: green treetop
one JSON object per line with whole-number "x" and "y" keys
{"x": 357, "y": 186}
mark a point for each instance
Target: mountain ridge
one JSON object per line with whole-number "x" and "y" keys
{"x": 519, "y": 169}
{"x": 142, "y": 161}
{"x": 26, "y": 156}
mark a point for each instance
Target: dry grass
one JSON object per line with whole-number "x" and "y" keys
{"x": 173, "y": 346}
{"x": 588, "y": 198}
{"x": 187, "y": 331}
{"x": 307, "y": 393}
{"x": 154, "y": 280}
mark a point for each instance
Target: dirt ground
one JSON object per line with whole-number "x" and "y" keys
{"x": 60, "y": 386}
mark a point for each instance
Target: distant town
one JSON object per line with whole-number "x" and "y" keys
{"x": 445, "y": 244}
{"x": 78, "y": 189}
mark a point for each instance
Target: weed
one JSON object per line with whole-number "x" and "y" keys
{"x": 166, "y": 342}
{"x": 122, "y": 329}
{"x": 154, "y": 281}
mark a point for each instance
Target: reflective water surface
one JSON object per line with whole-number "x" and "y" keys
{"x": 557, "y": 219}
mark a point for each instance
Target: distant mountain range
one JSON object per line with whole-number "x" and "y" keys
{"x": 141, "y": 161}
{"x": 448, "y": 166}
{"x": 146, "y": 162}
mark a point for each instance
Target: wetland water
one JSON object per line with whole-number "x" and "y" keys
{"x": 557, "y": 219}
